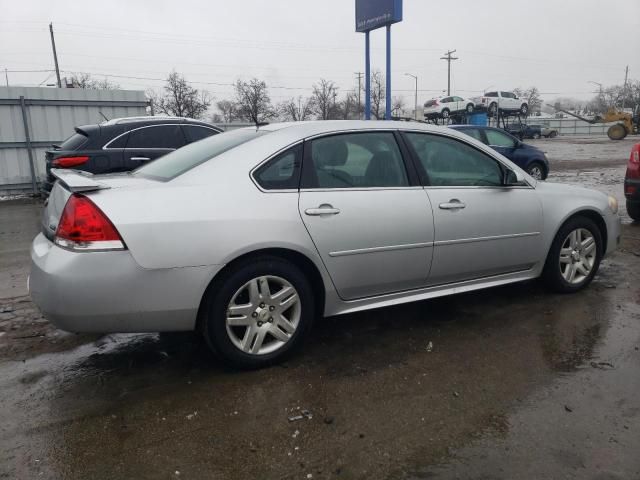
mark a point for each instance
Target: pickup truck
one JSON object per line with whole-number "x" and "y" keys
{"x": 506, "y": 101}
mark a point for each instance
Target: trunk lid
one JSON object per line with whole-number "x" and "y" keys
{"x": 76, "y": 181}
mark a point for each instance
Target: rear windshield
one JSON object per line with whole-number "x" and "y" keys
{"x": 430, "y": 103}
{"x": 185, "y": 158}
{"x": 74, "y": 142}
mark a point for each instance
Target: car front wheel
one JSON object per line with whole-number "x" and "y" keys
{"x": 574, "y": 257}
{"x": 536, "y": 170}
{"x": 470, "y": 108}
{"x": 524, "y": 109}
{"x": 445, "y": 113}
{"x": 258, "y": 313}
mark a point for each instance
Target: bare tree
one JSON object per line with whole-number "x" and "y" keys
{"x": 84, "y": 80}
{"x": 227, "y": 110}
{"x": 532, "y": 96}
{"x": 324, "y": 99}
{"x": 180, "y": 99}
{"x": 252, "y": 101}
{"x": 348, "y": 108}
{"x": 378, "y": 94}
{"x": 296, "y": 109}
{"x": 397, "y": 105}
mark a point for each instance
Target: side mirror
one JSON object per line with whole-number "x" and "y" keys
{"x": 512, "y": 177}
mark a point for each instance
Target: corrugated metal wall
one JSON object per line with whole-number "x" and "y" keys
{"x": 52, "y": 113}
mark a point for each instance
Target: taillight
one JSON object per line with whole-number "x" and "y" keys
{"x": 68, "y": 162}
{"x": 83, "y": 226}
{"x": 633, "y": 167}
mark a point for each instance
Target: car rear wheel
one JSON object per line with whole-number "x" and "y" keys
{"x": 524, "y": 109}
{"x": 633, "y": 209}
{"x": 553, "y": 134}
{"x": 258, "y": 313}
{"x": 574, "y": 257}
{"x": 536, "y": 135}
{"x": 470, "y": 108}
{"x": 493, "y": 108}
{"x": 445, "y": 113}
{"x": 536, "y": 170}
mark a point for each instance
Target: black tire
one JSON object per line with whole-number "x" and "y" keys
{"x": 531, "y": 170}
{"x": 524, "y": 109}
{"x": 470, "y": 108}
{"x": 633, "y": 209}
{"x": 553, "y": 134}
{"x": 445, "y": 113}
{"x": 552, "y": 275}
{"x": 493, "y": 109}
{"x": 213, "y": 323}
{"x": 536, "y": 136}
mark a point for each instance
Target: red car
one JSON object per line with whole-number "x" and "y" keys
{"x": 632, "y": 183}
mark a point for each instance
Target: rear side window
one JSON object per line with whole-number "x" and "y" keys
{"x": 74, "y": 142}
{"x": 176, "y": 163}
{"x": 358, "y": 160}
{"x": 160, "y": 136}
{"x": 281, "y": 172}
{"x": 451, "y": 163}
{"x": 473, "y": 132}
{"x": 491, "y": 94}
{"x": 430, "y": 103}
{"x": 195, "y": 132}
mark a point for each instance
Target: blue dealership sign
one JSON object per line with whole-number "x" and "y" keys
{"x": 372, "y": 14}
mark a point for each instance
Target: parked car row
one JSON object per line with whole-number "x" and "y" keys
{"x": 248, "y": 236}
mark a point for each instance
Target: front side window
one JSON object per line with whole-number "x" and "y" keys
{"x": 474, "y": 132}
{"x": 451, "y": 163}
{"x": 499, "y": 139}
{"x": 281, "y": 172}
{"x": 358, "y": 160}
{"x": 160, "y": 136}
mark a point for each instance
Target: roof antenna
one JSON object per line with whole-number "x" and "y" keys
{"x": 103, "y": 115}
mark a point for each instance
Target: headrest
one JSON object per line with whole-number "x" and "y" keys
{"x": 329, "y": 152}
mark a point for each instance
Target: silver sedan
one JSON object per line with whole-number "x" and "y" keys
{"x": 249, "y": 235}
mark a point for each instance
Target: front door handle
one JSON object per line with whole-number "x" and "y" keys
{"x": 324, "y": 209}
{"x": 140, "y": 159}
{"x": 453, "y": 204}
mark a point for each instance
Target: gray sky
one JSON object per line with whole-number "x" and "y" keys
{"x": 557, "y": 45}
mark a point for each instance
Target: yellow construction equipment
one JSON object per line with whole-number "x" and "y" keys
{"x": 626, "y": 123}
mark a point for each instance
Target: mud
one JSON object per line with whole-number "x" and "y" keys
{"x": 508, "y": 383}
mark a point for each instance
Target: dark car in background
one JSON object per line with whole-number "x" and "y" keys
{"x": 123, "y": 144}
{"x": 531, "y": 159}
{"x": 632, "y": 183}
{"x": 522, "y": 131}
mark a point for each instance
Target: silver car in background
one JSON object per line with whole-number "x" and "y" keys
{"x": 249, "y": 235}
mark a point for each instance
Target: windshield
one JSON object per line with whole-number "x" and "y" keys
{"x": 179, "y": 161}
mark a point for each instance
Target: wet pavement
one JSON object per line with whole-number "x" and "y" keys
{"x": 507, "y": 383}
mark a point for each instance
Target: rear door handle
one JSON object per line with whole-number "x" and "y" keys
{"x": 140, "y": 159}
{"x": 322, "y": 210}
{"x": 453, "y": 204}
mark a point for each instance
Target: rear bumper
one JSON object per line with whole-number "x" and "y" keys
{"x": 109, "y": 292}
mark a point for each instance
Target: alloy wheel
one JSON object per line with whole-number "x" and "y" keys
{"x": 536, "y": 172}
{"x": 263, "y": 315}
{"x": 577, "y": 256}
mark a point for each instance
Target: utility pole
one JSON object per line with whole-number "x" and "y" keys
{"x": 55, "y": 55}
{"x": 624, "y": 88}
{"x": 6, "y": 76}
{"x": 359, "y": 74}
{"x": 415, "y": 107}
{"x": 449, "y": 58}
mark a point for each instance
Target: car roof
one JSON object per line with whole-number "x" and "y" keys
{"x": 152, "y": 119}
{"x": 317, "y": 127}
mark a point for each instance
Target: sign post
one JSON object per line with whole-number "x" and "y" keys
{"x": 372, "y": 14}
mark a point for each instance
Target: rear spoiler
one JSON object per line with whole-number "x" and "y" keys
{"x": 77, "y": 180}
